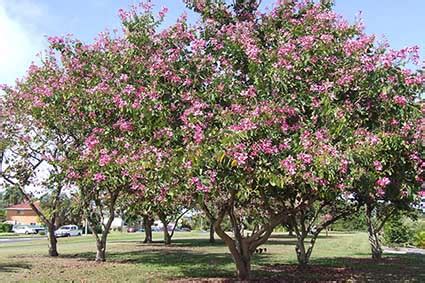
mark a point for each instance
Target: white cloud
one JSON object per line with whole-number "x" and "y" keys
{"x": 19, "y": 39}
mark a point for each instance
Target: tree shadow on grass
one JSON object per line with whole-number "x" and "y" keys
{"x": 176, "y": 242}
{"x": 13, "y": 267}
{"x": 178, "y": 262}
{"x": 187, "y": 263}
{"x": 286, "y": 236}
{"x": 392, "y": 268}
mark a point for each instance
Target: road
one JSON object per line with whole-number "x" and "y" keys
{"x": 404, "y": 251}
{"x": 18, "y": 240}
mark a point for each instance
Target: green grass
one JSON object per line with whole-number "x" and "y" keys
{"x": 339, "y": 257}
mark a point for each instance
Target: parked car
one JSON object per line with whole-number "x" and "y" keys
{"x": 68, "y": 231}
{"x": 185, "y": 229}
{"x": 156, "y": 229}
{"x": 24, "y": 229}
{"x": 38, "y": 228}
{"x": 131, "y": 229}
{"x": 141, "y": 230}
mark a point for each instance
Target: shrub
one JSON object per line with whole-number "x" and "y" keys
{"x": 420, "y": 239}
{"x": 5, "y": 228}
{"x": 396, "y": 232}
{"x": 355, "y": 222}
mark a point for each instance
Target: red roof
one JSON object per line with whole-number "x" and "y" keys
{"x": 23, "y": 206}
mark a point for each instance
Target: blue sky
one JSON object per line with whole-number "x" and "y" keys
{"x": 25, "y": 23}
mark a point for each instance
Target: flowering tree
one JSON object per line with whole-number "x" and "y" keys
{"x": 261, "y": 116}
{"x": 390, "y": 171}
{"x": 285, "y": 97}
{"x": 29, "y": 164}
{"x": 114, "y": 101}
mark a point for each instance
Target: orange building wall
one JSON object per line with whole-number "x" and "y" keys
{"x": 23, "y": 217}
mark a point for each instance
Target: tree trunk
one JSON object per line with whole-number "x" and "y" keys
{"x": 212, "y": 239}
{"x": 101, "y": 250}
{"x": 101, "y": 241}
{"x": 240, "y": 248}
{"x": 167, "y": 237}
{"x": 243, "y": 266}
{"x": 375, "y": 246}
{"x": 53, "y": 251}
{"x": 147, "y": 224}
{"x": 302, "y": 255}
{"x": 290, "y": 231}
{"x": 375, "y": 243}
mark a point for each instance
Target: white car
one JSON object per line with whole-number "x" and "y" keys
{"x": 24, "y": 229}
{"x": 68, "y": 231}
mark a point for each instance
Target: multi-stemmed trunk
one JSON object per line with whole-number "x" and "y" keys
{"x": 101, "y": 250}
{"x": 101, "y": 239}
{"x": 375, "y": 243}
{"x": 303, "y": 252}
{"x": 241, "y": 254}
{"x": 302, "y": 226}
{"x": 241, "y": 246}
{"x": 241, "y": 250}
{"x": 147, "y": 225}
{"x": 167, "y": 236}
{"x": 165, "y": 221}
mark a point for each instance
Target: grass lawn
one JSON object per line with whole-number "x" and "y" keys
{"x": 339, "y": 257}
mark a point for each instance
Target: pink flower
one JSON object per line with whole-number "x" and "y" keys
{"x": 341, "y": 186}
{"x": 99, "y": 177}
{"x": 119, "y": 102}
{"x": 199, "y": 134}
{"x": 305, "y": 158}
{"x": 378, "y": 165}
{"x": 124, "y": 126}
{"x": 250, "y": 92}
{"x": 163, "y": 12}
{"x": 343, "y": 167}
{"x": 380, "y": 192}
{"x": 289, "y": 165}
{"x": 265, "y": 146}
{"x": 345, "y": 80}
{"x": 383, "y": 182}
{"x": 307, "y": 41}
{"x": 244, "y": 125}
{"x": 73, "y": 175}
{"x": 252, "y": 52}
{"x": 238, "y": 152}
{"x": 199, "y": 186}
{"x": 104, "y": 159}
{"x": 187, "y": 164}
{"x": 400, "y": 100}
{"x": 91, "y": 142}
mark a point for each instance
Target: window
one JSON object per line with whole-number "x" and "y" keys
{"x": 19, "y": 212}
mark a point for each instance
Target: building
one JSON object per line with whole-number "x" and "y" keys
{"x": 117, "y": 223}
{"x": 22, "y": 213}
